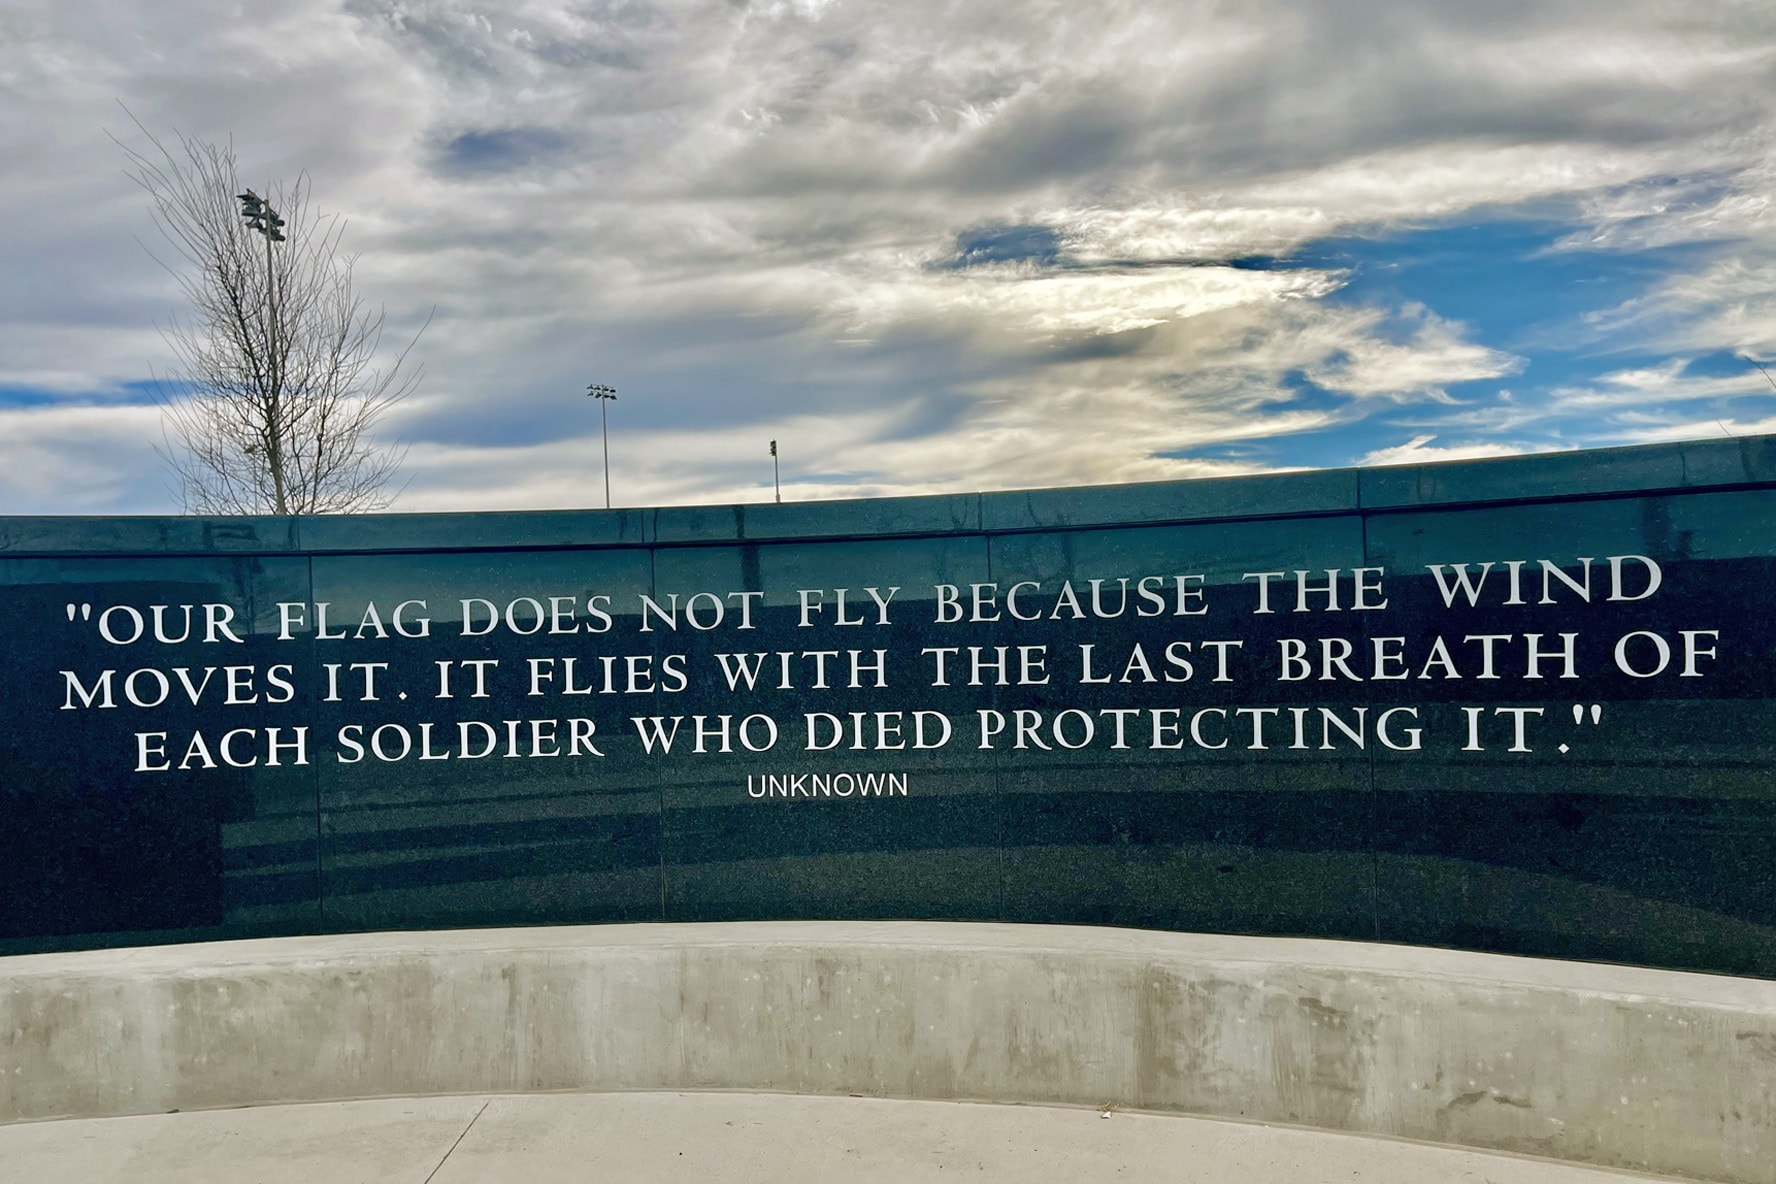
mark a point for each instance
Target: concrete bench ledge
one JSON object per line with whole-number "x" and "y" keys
{"x": 1616, "y": 1066}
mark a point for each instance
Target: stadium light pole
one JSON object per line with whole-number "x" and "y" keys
{"x": 776, "y": 476}
{"x": 604, "y": 395}
{"x": 260, "y": 218}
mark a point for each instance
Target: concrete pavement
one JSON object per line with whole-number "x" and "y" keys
{"x": 726, "y": 1138}
{"x": 1618, "y": 1067}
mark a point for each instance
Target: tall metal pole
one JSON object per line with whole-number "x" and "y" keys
{"x": 604, "y": 394}
{"x": 274, "y": 399}
{"x": 261, "y": 218}
{"x": 776, "y": 476}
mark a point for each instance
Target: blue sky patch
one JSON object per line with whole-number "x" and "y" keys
{"x": 1509, "y": 286}
{"x": 128, "y": 394}
{"x": 1004, "y": 244}
{"x": 492, "y": 151}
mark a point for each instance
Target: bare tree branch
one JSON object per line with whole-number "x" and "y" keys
{"x": 275, "y": 392}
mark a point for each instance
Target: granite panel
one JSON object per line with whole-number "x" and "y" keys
{"x": 905, "y": 831}
{"x": 763, "y": 521}
{"x": 508, "y": 530}
{"x": 465, "y": 792}
{"x": 146, "y": 536}
{"x": 1747, "y": 460}
{"x": 1629, "y": 817}
{"x": 1687, "y": 465}
{"x": 1207, "y": 796}
{"x": 121, "y": 818}
{"x": 1518, "y": 705}
{"x": 1325, "y": 491}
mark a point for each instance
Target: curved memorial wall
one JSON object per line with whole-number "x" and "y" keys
{"x": 1519, "y": 705}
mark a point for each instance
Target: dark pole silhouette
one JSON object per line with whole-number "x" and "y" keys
{"x": 604, "y": 395}
{"x": 261, "y": 218}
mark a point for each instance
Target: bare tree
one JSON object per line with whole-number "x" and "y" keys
{"x": 275, "y": 390}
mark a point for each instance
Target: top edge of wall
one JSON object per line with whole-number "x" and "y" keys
{"x": 1686, "y": 466}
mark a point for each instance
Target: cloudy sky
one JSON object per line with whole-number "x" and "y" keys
{"x": 927, "y": 246}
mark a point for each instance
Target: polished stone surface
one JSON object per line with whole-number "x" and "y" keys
{"x": 1649, "y": 838}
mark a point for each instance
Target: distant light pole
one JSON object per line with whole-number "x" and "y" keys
{"x": 604, "y": 395}
{"x": 262, "y": 219}
{"x": 776, "y": 477}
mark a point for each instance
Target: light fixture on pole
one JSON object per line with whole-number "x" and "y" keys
{"x": 604, "y": 394}
{"x": 776, "y": 478}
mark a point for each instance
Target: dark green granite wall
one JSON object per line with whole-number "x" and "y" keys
{"x": 1581, "y": 769}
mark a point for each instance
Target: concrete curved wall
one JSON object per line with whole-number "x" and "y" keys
{"x": 1654, "y": 1070}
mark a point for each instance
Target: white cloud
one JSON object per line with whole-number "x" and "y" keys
{"x": 71, "y": 460}
{"x": 1665, "y": 385}
{"x": 1419, "y": 363}
{"x": 742, "y": 215}
{"x": 1190, "y": 231}
{"x": 1729, "y": 303}
{"x": 1667, "y": 428}
{"x": 1023, "y": 302}
{"x": 1425, "y": 450}
{"x": 1134, "y": 412}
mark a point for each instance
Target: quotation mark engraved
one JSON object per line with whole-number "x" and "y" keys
{"x": 86, "y": 611}
{"x": 1579, "y": 711}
